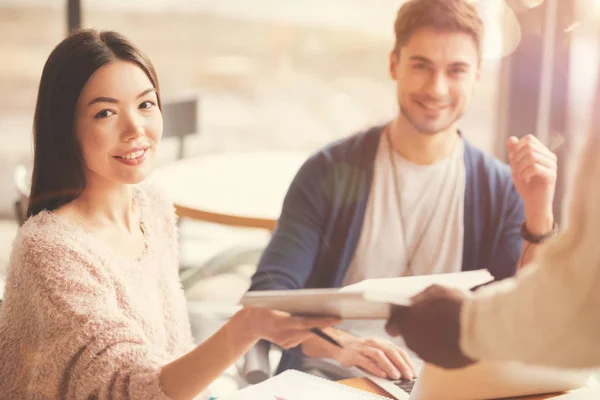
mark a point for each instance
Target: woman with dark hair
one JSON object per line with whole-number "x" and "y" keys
{"x": 93, "y": 305}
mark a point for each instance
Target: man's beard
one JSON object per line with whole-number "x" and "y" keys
{"x": 422, "y": 129}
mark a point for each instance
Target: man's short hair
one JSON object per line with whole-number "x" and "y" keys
{"x": 442, "y": 15}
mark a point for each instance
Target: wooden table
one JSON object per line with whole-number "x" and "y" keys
{"x": 236, "y": 189}
{"x": 368, "y": 386}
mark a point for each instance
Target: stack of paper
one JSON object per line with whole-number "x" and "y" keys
{"x": 400, "y": 290}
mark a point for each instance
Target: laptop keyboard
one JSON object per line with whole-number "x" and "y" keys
{"x": 405, "y": 384}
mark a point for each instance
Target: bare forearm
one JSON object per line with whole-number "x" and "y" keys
{"x": 192, "y": 373}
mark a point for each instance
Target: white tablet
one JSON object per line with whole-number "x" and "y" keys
{"x": 369, "y": 299}
{"x": 319, "y": 303}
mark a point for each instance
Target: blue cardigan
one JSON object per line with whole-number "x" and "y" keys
{"x": 323, "y": 212}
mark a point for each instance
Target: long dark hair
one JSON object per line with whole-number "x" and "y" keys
{"x": 58, "y": 170}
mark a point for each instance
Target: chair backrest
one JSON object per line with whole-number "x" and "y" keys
{"x": 21, "y": 180}
{"x": 181, "y": 117}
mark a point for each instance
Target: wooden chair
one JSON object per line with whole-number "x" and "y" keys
{"x": 181, "y": 119}
{"x": 21, "y": 181}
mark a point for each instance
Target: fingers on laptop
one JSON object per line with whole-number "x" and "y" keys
{"x": 379, "y": 357}
{"x": 372, "y": 367}
{"x": 374, "y": 361}
{"x": 382, "y": 360}
{"x": 396, "y": 361}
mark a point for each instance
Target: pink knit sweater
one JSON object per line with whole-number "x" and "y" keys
{"x": 78, "y": 321}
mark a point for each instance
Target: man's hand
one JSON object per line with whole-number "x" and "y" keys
{"x": 378, "y": 356}
{"x": 431, "y": 326}
{"x": 534, "y": 174}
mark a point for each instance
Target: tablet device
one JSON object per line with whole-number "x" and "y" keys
{"x": 319, "y": 303}
{"x": 369, "y": 299}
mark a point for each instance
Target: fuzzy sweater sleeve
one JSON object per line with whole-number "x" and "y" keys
{"x": 548, "y": 314}
{"x": 79, "y": 338}
{"x": 163, "y": 209}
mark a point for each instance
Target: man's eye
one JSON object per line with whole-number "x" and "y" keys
{"x": 103, "y": 114}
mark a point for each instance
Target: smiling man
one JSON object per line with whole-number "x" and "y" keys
{"x": 413, "y": 196}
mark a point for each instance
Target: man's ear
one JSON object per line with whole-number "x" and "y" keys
{"x": 394, "y": 60}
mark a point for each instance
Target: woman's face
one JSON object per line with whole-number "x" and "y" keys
{"x": 118, "y": 124}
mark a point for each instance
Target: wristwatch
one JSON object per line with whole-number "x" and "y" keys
{"x": 537, "y": 239}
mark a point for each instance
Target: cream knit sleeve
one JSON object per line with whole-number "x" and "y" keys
{"x": 548, "y": 314}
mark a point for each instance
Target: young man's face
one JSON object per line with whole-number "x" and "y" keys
{"x": 436, "y": 73}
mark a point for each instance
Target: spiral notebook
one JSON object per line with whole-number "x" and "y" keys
{"x": 296, "y": 385}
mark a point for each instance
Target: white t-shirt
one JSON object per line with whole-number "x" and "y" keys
{"x": 430, "y": 212}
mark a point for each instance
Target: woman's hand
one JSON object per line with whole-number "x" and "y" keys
{"x": 378, "y": 356}
{"x": 280, "y": 327}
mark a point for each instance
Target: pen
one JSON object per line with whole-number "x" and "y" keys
{"x": 474, "y": 288}
{"x": 325, "y": 336}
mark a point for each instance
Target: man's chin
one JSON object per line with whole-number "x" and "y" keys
{"x": 430, "y": 126}
{"x": 429, "y": 131}
{"x": 432, "y": 129}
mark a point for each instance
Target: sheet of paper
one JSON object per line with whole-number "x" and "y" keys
{"x": 400, "y": 290}
{"x": 296, "y": 385}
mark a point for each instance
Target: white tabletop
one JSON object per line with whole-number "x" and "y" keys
{"x": 239, "y": 189}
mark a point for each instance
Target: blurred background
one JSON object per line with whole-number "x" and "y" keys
{"x": 293, "y": 75}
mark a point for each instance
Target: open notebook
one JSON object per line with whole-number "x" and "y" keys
{"x": 295, "y": 385}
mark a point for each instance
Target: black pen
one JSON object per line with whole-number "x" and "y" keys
{"x": 474, "y": 288}
{"x": 325, "y": 336}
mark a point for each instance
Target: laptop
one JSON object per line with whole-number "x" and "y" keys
{"x": 486, "y": 380}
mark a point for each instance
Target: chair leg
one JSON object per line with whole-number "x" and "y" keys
{"x": 256, "y": 366}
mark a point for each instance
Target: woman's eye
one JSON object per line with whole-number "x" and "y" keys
{"x": 103, "y": 114}
{"x": 147, "y": 104}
